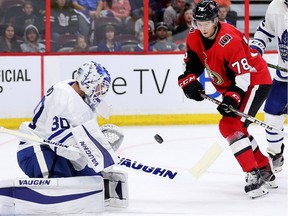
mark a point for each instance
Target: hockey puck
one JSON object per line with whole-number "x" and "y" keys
{"x": 158, "y": 138}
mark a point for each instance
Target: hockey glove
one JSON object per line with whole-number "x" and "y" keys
{"x": 113, "y": 134}
{"x": 257, "y": 45}
{"x": 191, "y": 86}
{"x": 232, "y": 98}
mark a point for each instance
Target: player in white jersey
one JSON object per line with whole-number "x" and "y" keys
{"x": 65, "y": 106}
{"x": 67, "y": 115}
{"x": 275, "y": 25}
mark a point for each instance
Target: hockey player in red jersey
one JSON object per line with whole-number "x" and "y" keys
{"x": 243, "y": 79}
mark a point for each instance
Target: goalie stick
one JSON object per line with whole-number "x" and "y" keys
{"x": 246, "y": 116}
{"x": 277, "y": 67}
{"x": 177, "y": 176}
{"x": 160, "y": 172}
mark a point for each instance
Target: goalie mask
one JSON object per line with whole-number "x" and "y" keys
{"x": 94, "y": 80}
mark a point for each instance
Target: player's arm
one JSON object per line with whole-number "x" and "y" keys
{"x": 264, "y": 34}
{"x": 240, "y": 68}
{"x": 188, "y": 80}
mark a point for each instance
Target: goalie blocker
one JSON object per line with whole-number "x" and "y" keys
{"x": 62, "y": 196}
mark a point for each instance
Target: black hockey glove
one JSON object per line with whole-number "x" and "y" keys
{"x": 191, "y": 86}
{"x": 232, "y": 97}
{"x": 223, "y": 108}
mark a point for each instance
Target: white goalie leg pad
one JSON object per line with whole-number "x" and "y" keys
{"x": 7, "y": 206}
{"x": 55, "y": 196}
{"x": 94, "y": 146}
{"x": 116, "y": 188}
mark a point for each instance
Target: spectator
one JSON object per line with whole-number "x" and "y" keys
{"x": 39, "y": 7}
{"x": 119, "y": 8}
{"x": 88, "y": 11}
{"x": 28, "y": 17}
{"x": 90, "y": 8}
{"x": 81, "y": 44}
{"x": 63, "y": 20}
{"x": 108, "y": 44}
{"x": 225, "y": 14}
{"x": 136, "y": 7}
{"x": 223, "y": 11}
{"x": 140, "y": 45}
{"x": 171, "y": 14}
{"x": 32, "y": 38}
{"x": 8, "y": 42}
{"x": 185, "y": 23}
{"x": 158, "y": 8}
{"x": 162, "y": 43}
{"x": 139, "y": 24}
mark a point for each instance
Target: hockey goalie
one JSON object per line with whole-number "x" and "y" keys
{"x": 62, "y": 181}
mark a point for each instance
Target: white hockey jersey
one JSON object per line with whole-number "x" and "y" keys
{"x": 58, "y": 112}
{"x": 275, "y": 25}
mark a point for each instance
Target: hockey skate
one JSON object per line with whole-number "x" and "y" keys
{"x": 268, "y": 176}
{"x": 255, "y": 184}
{"x": 277, "y": 160}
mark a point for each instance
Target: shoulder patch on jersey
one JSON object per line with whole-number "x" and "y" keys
{"x": 224, "y": 40}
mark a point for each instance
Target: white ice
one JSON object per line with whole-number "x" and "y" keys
{"x": 219, "y": 191}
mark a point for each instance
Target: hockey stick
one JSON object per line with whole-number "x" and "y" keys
{"x": 177, "y": 176}
{"x": 277, "y": 67}
{"x": 157, "y": 171}
{"x": 38, "y": 139}
{"x": 246, "y": 116}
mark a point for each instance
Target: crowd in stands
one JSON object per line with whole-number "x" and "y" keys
{"x": 98, "y": 25}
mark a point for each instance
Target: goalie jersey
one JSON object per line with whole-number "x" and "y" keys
{"x": 274, "y": 26}
{"x": 60, "y": 110}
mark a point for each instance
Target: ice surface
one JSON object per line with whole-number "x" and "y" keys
{"x": 219, "y": 191}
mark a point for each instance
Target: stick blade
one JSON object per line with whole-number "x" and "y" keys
{"x": 206, "y": 161}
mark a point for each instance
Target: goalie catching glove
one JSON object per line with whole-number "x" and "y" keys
{"x": 191, "y": 86}
{"x": 113, "y": 134}
{"x": 232, "y": 98}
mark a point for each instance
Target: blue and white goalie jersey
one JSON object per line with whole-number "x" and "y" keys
{"x": 275, "y": 26}
{"x": 60, "y": 110}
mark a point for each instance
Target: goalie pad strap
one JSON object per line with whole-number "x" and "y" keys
{"x": 116, "y": 189}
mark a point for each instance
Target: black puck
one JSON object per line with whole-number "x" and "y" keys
{"x": 158, "y": 138}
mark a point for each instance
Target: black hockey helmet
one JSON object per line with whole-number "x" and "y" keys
{"x": 206, "y": 10}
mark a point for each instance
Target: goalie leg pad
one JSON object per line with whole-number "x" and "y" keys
{"x": 116, "y": 188}
{"x": 55, "y": 196}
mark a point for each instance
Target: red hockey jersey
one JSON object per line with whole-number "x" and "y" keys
{"x": 225, "y": 58}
